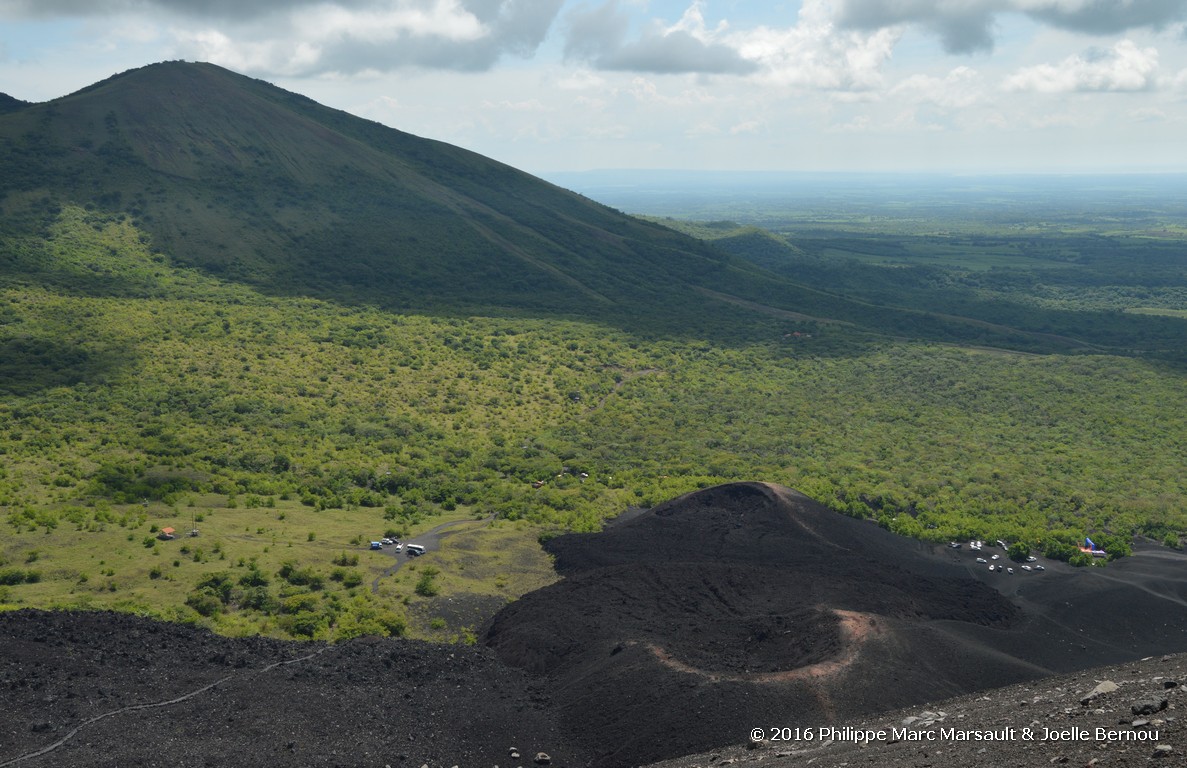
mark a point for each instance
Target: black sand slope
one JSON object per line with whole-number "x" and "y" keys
{"x": 746, "y": 602}
{"x": 1055, "y": 721}
{"x": 118, "y": 690}
{"x": 741, "y": 606}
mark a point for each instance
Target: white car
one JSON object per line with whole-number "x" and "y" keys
{"x": 387, "y": 542}
{"x": 982, "y": 560}
{"x": 994, "y": 557}
{"x": 1026, "y": 567}
{"x": 1009, "y": 570}
{"x": 1040, "y": 568}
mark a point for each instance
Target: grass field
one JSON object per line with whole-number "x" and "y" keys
{"x": 114, "y": 559}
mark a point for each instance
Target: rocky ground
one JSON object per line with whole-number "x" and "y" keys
{"x": 675, "y": 632}
{"x": 749, "y": 602}
{"x": 1122, "y": 715}
{"x": 104, "y": 689}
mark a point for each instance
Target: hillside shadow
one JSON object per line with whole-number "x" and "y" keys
{"x": 32, "y": 364}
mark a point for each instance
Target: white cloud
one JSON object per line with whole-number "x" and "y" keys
{"x": 443, "y": 19}
{"x": 283, "y": 57}
{"x": 1124, "y": 67}
{"x": 814, "y": 53}
{"x": 968, "y": 26}
{"x": 746, "y": 127}
{"x": 315, "y": 37}
{"x": 599, "y": 36}
{"x": 581, "y": 80}
{"x": 527, "y": 105}
{"x": 959, "y": 89}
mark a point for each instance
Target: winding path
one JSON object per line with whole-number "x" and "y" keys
{"x": 168, "y": 702}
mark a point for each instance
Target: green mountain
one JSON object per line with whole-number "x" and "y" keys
{"x": 9, "y": 104}
{"x": 254, "y": 184}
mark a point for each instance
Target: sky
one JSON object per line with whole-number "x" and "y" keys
{"x": 950, "y": 86}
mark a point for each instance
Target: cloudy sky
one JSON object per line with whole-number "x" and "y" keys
{"x": 553, "y": 85}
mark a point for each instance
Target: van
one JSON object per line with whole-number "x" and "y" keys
{"x": 414, "y": 550}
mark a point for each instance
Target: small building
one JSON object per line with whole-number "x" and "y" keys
{"x": 166, "y": 534}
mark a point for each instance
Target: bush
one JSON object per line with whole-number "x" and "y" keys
{"x": 305, "y": 624}
{"x": 204, "y": 603}
{"x": 426, "y": 587}
{"x": 254, "y": 578}
{"x": 219, "y": 585}
{"x": 13, "y": 576}
{"x": 301, "y": 577}
{"x": 259, "y": 599}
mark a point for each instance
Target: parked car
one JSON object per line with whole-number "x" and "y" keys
{"x": 982, "y": 560}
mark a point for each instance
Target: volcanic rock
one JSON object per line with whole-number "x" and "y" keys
{"x": 752, "y": 605}
{"x": 1106, "y": 686}
{"x": 1148, "y": 706}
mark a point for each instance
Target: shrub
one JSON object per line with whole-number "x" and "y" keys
{"x": 204, "y": 603}
{"x": 13, "y": 576}
{"x": 425, "y": 586}
{"x": 300, "y": 577}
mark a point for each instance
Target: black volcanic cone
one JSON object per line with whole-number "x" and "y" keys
{"x": 750, "y": 605}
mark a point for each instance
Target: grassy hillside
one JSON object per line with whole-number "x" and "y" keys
{"x": 257, "y": 185}
{"x": 297, "y": 429}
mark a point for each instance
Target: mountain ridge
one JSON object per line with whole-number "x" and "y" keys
{"x": 299, "y": 194}
{"x": 255, "y": 184}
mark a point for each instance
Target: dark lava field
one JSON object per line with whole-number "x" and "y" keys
{"x": 672, "y": 633}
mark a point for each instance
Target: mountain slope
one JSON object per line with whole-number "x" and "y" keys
{"x": 10, "y": 104}
{"x": 255, "y": 184}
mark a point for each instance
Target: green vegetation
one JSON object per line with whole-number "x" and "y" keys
{"x": 198, "y": 334}
{"x": 275, "y": 418}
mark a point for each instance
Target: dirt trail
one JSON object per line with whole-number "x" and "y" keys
{"x": 154, "y": 705}
{"x": 430, "y": 540}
